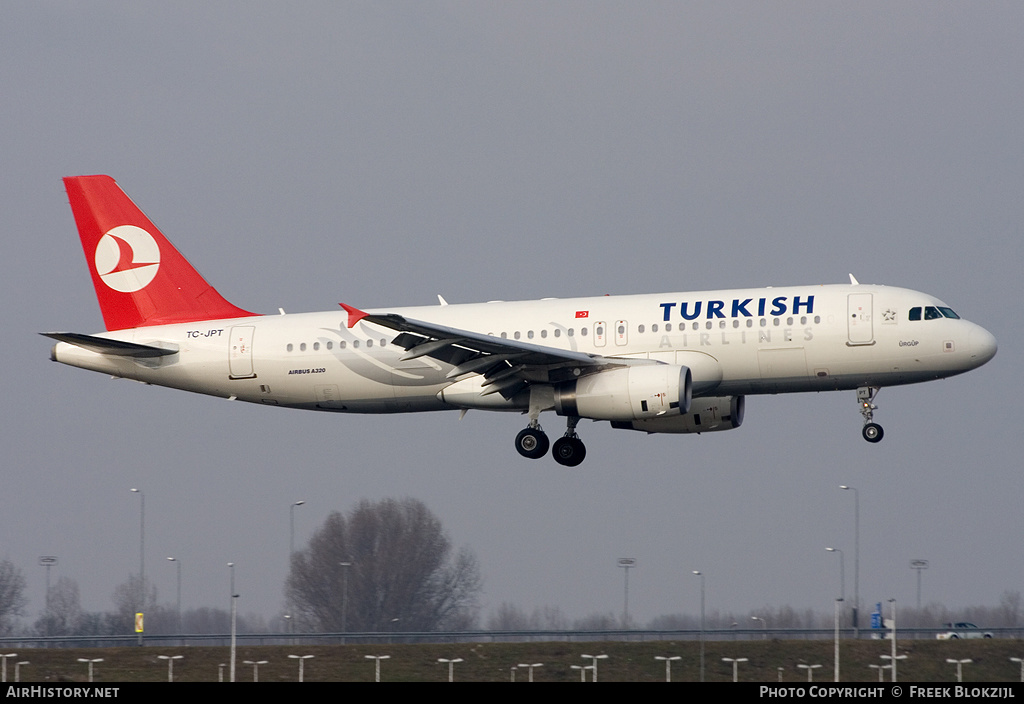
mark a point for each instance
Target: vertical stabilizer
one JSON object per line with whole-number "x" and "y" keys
{"x": 140, "y": 278}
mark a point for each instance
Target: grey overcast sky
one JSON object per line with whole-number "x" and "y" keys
{"x": 380, "y": 153}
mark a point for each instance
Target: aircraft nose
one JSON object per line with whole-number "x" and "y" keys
{"x": 982, "y": 345}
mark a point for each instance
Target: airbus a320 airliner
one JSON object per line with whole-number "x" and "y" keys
{"x": 661, "y": 363}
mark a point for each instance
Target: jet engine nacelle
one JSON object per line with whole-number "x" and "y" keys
{"x": 627, "y": 393}
{"x": 706, "y": 415}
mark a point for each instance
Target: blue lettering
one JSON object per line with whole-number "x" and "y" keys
{"x": 797, "y": 303}
{"x": 667, "y": 307}
{"x": 760, "y": 306}
{"x": 780, "y": 305}
{"x": 696, "y": 310}
{"x": 740, "y": 308}
{"x": 715, "y": 309}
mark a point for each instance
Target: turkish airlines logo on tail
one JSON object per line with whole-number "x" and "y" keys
{"x": 127, "y": 258}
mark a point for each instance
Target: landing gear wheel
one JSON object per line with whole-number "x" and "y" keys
{"x": 873, "y": 432}
{"x": 569, "y": 451}
{"x": 532, "y": 443}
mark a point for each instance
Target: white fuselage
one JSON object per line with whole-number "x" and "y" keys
{"x": 736, "y": 342}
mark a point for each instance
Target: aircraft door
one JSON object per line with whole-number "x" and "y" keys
{"x": 859, "y": 322}
{"x": 240, "y": 352}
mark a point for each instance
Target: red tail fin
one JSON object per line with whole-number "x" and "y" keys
{"x": 140, "y": 278}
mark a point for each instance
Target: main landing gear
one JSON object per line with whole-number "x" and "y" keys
{"x": 872, "y": 432}
{"x": 532, "y": 443}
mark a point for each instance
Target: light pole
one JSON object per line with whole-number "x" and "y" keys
{"x": 377, "y": 658}
{"x": 836, "y": 665}
{"x": 170, "y": 664}
{"x": 302, "y": 662}
{"x": 764, "y": 623}
{"x": 234, "y": 623}
{"x": 291, "y": 530}
{"x": 856, "y": 556}
{"x": 593, "y": 664}
{"x": 583, "y": 671}
{"x": 959, "y": 667}
{"x": 735, "y": 666}
{"x": 881, "y": 670}
{"x": 810, "y": 670}
{"x": 893, "y": 657}
{"x": 892, "y": 663}
{"x": 842, "y": 572}
{"x": 91, "y": 662}
{"x": 668, "y": 664}
{"x": 701, "y": 575}
{"x": 255, "y": 668}
{"x": 919, "y": 565}
{"x": 451, "y": 666}
{"x": 530, "y": 667}
{"x": 626, "y": 563}
{"x": 344, "y": 595}
{"x": 177, "y": 563}
{"x": 1021, "y": 662}
{"x": 3, "y": 668}
{"x": 17, "y": 669}
{"x": 142, "y": 556}
{"x": 47, "y": 561}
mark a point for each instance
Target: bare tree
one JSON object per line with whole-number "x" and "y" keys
{"x": 387, "y": 565}
{"x": 63, "y": 610}
{"x": 12, "y": 594}
{"x": 1010, "y": 608}
{"x": 509, "y": 617}
{"x": 126, "y": 601}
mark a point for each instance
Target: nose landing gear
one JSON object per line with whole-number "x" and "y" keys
{"x": 872, "y": 432}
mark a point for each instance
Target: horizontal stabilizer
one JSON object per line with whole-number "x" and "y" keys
{"x": 103, "y": 345}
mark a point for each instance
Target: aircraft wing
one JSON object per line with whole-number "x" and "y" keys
{"x": 508, "y": 365}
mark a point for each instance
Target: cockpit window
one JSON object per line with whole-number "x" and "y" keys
{"x": 932, "y": 313}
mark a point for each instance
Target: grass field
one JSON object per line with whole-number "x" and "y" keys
{"x": 492, "y": 662}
